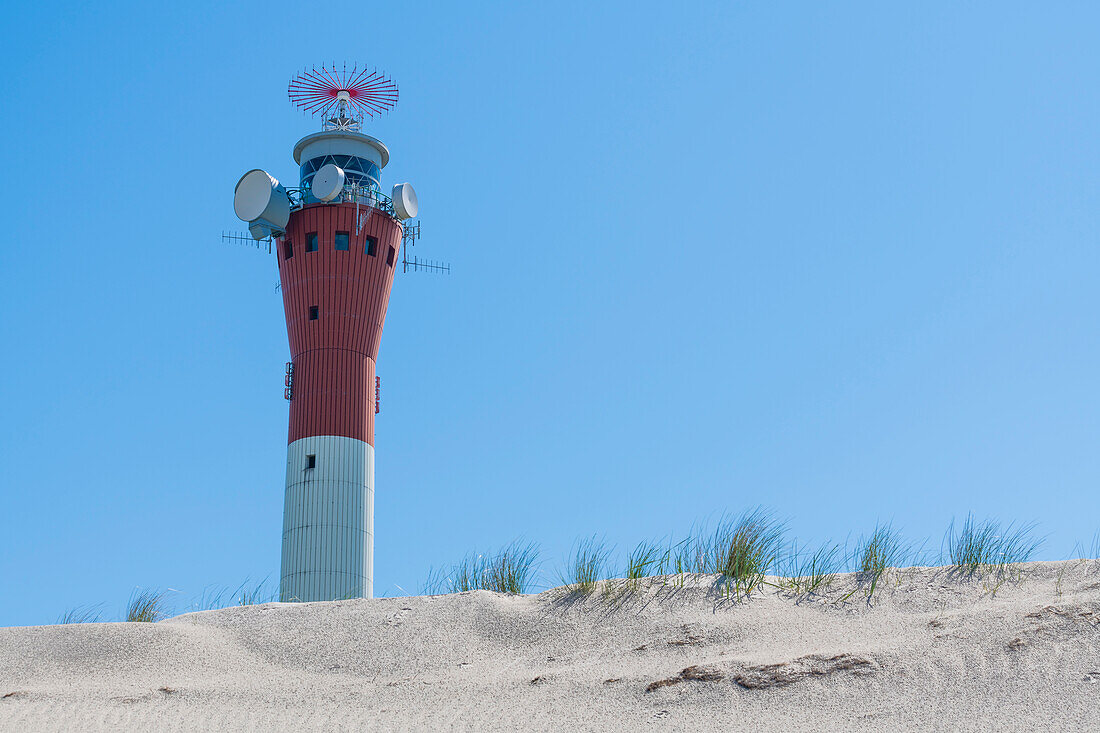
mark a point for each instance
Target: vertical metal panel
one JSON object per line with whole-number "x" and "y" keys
{"x": 339, "y": 388}
{"x": 328, "y": 528}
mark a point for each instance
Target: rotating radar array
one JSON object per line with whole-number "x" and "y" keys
{"x": 346, "y": 95}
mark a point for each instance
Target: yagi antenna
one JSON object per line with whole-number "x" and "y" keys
{"x": 416, "y": 265}
{"x": 242, "y": 238}
{"x": 409, "y": 234}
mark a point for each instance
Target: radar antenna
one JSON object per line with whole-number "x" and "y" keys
{"x": 342, "y": 96}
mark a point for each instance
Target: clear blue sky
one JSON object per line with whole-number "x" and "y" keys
{"x": 837, "y": 259}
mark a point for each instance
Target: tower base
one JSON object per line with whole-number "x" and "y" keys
{"x": 328, "y": 520}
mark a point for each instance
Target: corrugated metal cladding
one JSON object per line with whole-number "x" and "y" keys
{"x": 334, "y": 354}
{"x": 328, "y": 520}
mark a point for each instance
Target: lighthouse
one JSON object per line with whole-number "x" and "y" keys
{"x": 336, "y": 238}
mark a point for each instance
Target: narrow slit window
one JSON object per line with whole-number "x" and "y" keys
{"x": 390, "y": 256}
{"x": 288, "y": 249}
{"x": 313, "y": 313}
{"x": 342, "y": 239}
{"x": 311, "y": 461}
{"x": 371, "y": 246}
{"x": 311, "y": 242}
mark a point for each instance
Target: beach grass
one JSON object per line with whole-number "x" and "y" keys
{"x": 742, "y": 549}
{"x": 509, "y": 570}
{"x": 806, "y": 572}
{"x": 248, "y": 594}
{"x": 875, "y": 554}
{"x": 587, "y": 565}
{"x": 82, "y": 615}
{"x": 976, "y": 547}
{"x": 674, "y": 558}
{"x": 644, "y": 561}
{"x": 146, "y": 606}
{"x": 1089, "y": 551}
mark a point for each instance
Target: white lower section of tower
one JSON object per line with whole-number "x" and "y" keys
{"x": 328, "y": 520}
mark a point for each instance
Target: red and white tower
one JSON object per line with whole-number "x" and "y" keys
{"x": 337, "y": 240}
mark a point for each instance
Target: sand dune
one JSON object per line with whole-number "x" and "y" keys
{"x": 930, "y": 652}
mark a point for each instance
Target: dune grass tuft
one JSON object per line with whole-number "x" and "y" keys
{"x": 808, "y": 572}
{"x": 146, "y": 606}
{"x": 82, "y": 615}
{"x": 985, "y": 546}
{"x": 587, "y": 565}
{"x": 742, "y": 549}
{"x": 1089, "y": 552}
{"x": 246, "y": 594}
{"x": 678, "y": 558}
{"x": 253, "y": 595}
{"x": 212, "y": 597}
{"x": 876, "y": 554}
{"x": 510, "y": 570}
{"x": 644, "y": 560}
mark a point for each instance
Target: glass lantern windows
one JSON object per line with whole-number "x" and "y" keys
{"x": 358, "y": 171}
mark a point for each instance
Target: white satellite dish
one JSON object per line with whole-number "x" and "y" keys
{"x": 404, "y": 201}
{"x": 328, "y": 182}
{"x": 261, "y": 200}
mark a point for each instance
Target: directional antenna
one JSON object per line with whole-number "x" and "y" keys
{"x": 247, "y": 239}
{"x": 410, "y": 232}
{"x": 342, "y": 96}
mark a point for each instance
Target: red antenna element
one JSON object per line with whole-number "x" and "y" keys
{"x": 325, "y": 90}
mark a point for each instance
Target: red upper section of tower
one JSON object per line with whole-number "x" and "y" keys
{"x": 335, "y": 302}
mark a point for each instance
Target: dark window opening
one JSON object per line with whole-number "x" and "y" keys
{"x": 371, "y": 247}
{"x": 288, "y": 249}
{"x": 313, "y": 313}
{"x": 389, "y": 257}
{"x": 311, "y": 461}
{"x": 342, "y": 241}
{"x": 311, "y": 242}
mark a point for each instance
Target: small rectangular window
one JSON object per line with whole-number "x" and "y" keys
{"x": 311, "y": 461}
{"x": 288, "y": 249}
{"x": 371, "y": 246}
{"x": 313, "y": 313}
{"x": 389, "y": 257}
{"x": 311, "y": 242}
{"x": 342, "y": 241}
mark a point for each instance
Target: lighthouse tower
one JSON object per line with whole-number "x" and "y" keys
{"x": 337, "y": 239}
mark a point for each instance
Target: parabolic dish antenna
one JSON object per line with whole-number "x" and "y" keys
{"x": 404, "y": 201}
{"x": 260, "y": 196}
{"x": 332, "y": 88}
{"x": 328, "y": 182}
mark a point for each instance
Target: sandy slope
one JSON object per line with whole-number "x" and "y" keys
{"x": 931, "y": 653}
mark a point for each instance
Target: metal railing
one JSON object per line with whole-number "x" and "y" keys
{"x": 366, "y": 196}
